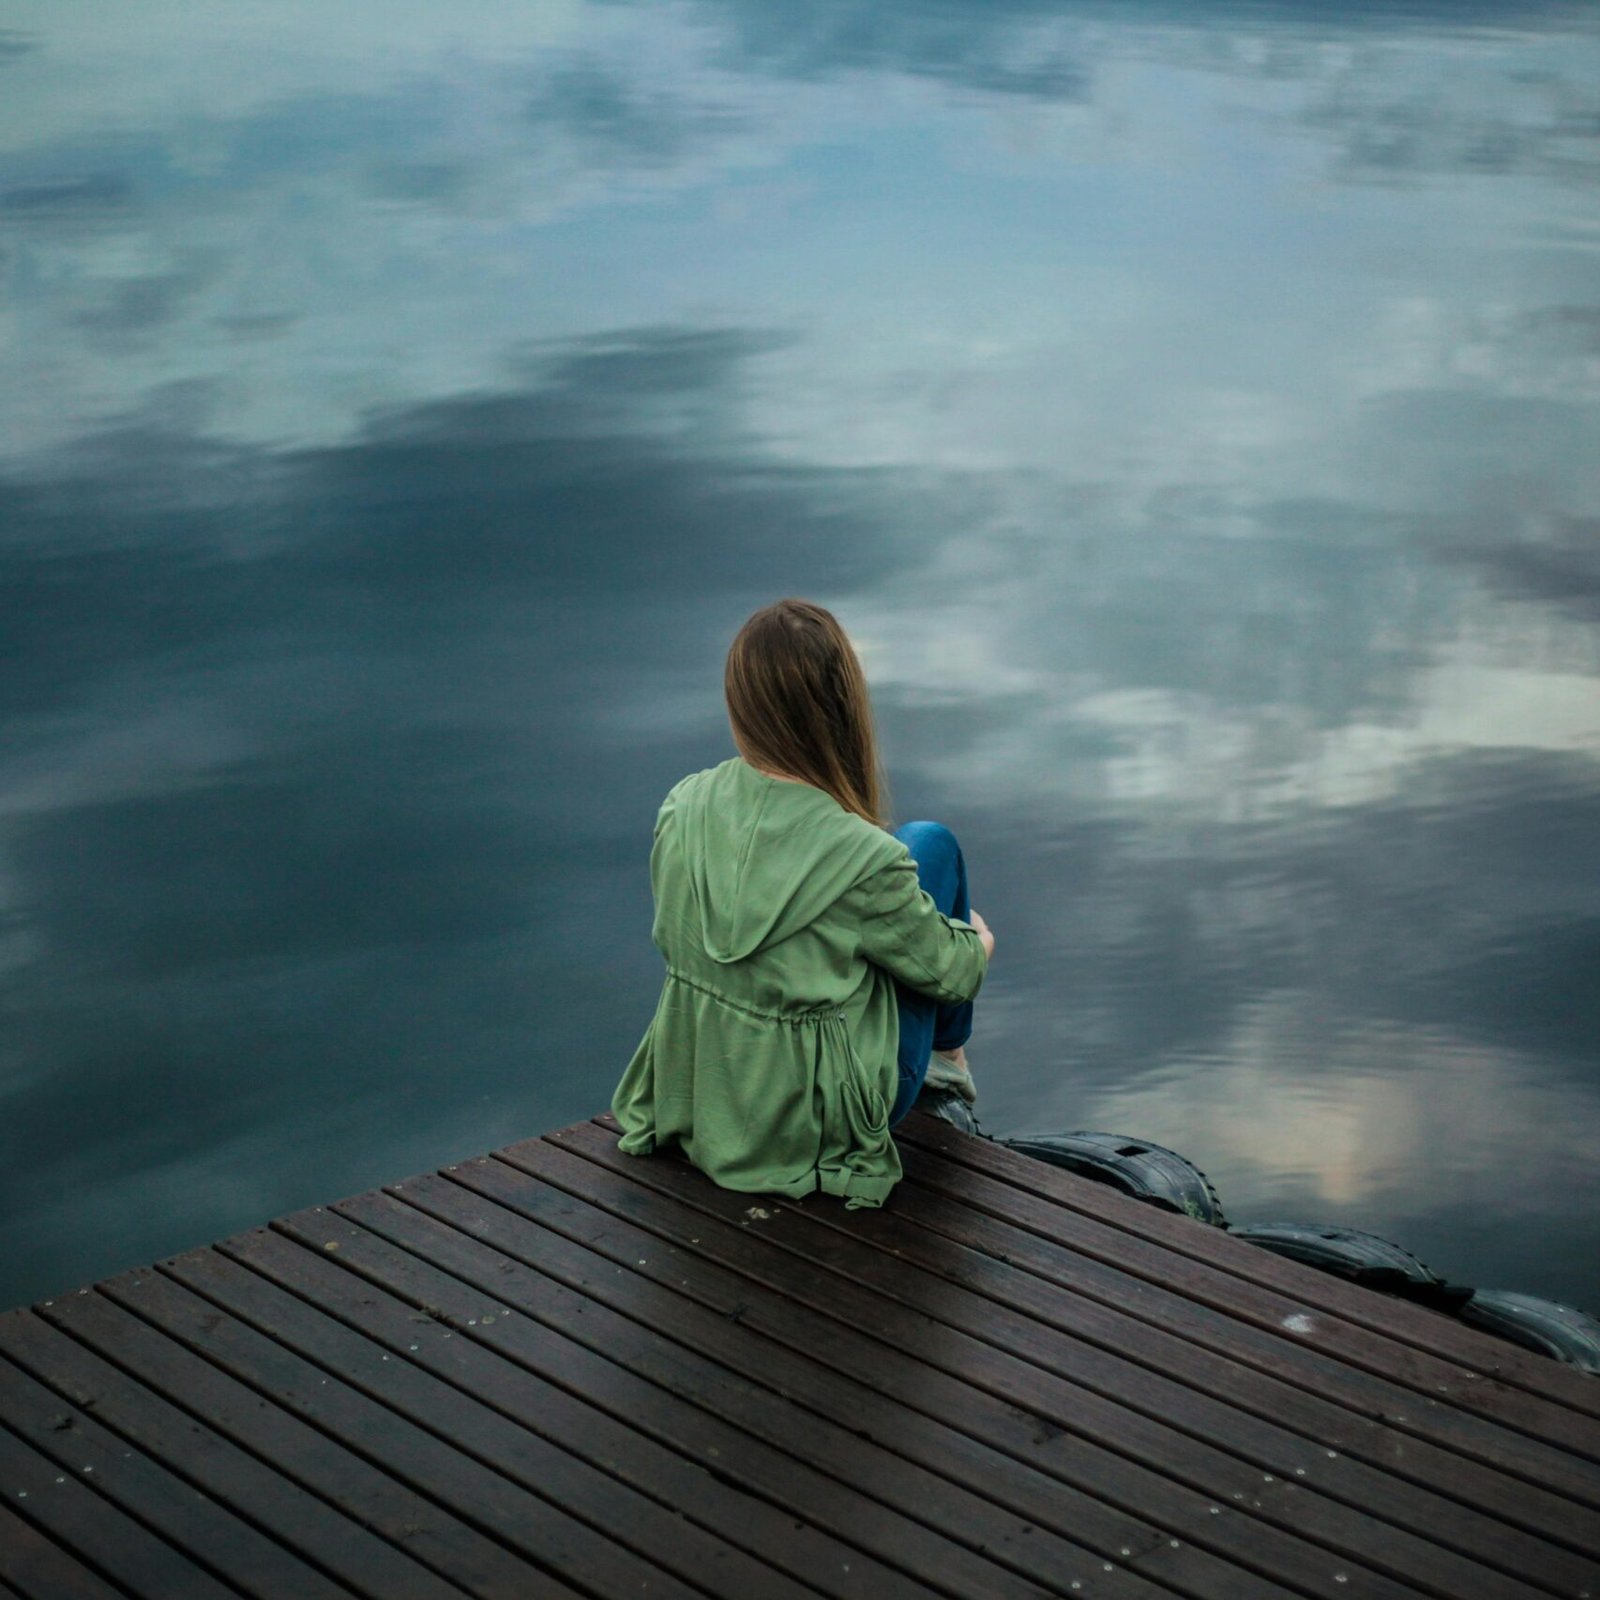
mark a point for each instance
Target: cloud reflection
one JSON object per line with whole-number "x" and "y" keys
{"x": 1189, "y": 415}
{"x": 1398, "y": 1127}
{"x": 298, "y": 733}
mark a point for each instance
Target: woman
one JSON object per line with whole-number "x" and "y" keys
{"x": 816, "y": 963}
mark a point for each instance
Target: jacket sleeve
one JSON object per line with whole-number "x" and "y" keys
{"x": 906, "y": 934}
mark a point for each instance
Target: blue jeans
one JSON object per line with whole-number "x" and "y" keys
{"x": 927, "y": 1024}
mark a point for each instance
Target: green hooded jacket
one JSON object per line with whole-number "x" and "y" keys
{"x": 784, "y": 920}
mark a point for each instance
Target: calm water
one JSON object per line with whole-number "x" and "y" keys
{"x": 1192, "y": 412}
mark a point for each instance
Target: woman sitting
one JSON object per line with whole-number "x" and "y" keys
{"x": 816, "y": 962}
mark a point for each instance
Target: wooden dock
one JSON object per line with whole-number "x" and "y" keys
{"x": 562, "y": 1371}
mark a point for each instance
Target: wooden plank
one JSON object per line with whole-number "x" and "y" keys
{"x": 175, "y": 1508}
{"x": 837, "y": 1480}
{"x": 1342, "y": 1407}
{"x": 62, "y": 1504}
{"x": 654, "y": 1426}
{"x": 1249, "y": 1303}
{"x": 1052, "y": 1443}
{"x": 1132, "y": 1360}
{"x": 37, "y": 1568}
{"x": 534, "y": 1537}
{"x": 613, "y": 1442}
{"x": 363, "y": 1563}
{"x": 559, "y": 1370}
{"x": 1395, "y": 1319}
{"x": 495, "y": 1413}
{"x": 1168, "y": 1425}
{"x": 723, "y": 1336}
{"x": 968, "y": 1249}
{"x": 1437, "y": 1384}
{"x": 413, "y": 1525}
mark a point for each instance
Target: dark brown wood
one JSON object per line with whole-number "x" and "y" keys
{"x": 38, "y": 1568}
{"x": 503, "y": 1422}
{"x": 1046, "y": 1440}
{"x": 738, "y": 1345}
{"x": 1070, "y": 1381}
{"x": 1395, "y": 1319}
{"x": 509, "y": 1530}
{"x": 1436, "y": 1380}
{"x": 176, "y": 1442}
{"x": 783, "y": 1451}
{"x": 548, "y": 1397}
{"x": 413, "y": 1525}
{"x": 967, "y": 1248}
{"x": 1343, "y": 1407}
{"x": 180, "y": 1511}
{"x": 560, "y": 1371}
{"x": 63, "y": 1504}
{"x": 727, "y": 1321}
{"x": 1139, "y": 1364}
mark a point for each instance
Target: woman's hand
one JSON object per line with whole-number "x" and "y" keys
{"x": 984, "y": 934}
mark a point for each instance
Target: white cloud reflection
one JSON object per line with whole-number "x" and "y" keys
{"x": 1192, "y": 420}
{"x": 201, "y": 217}
{"x": 1360, "y": 1120}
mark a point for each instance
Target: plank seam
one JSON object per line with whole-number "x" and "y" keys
{"x": 844, "y": 1485}
{"x": 512, "y": 1418}
{"x": 1257, "y": 1364}
{"x": 306, "y": 1422}
{"x": 1510, "y": 1565}
{"x": 1054, "y": 1423}
{"x": 414, "y": 1484}
{"x": 66, "y": 1332}
{"x": 18, "y": 1506}
{"x": 11, "y": 1522}
{"x": 1472, "y": 1349}
{"x": 1461, "y": 1379}
{"x": 96, "y": 1481}
{"x": 53, "y": 1381}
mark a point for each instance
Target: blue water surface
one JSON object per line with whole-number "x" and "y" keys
{"x": 1190, "y": 410}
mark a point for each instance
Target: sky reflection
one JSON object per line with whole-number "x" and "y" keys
{"x": 1190, "y": 413}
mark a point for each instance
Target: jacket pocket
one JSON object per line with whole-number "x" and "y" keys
{"x": 865, "y": 1104}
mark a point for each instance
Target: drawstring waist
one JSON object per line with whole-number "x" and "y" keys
{"x": 794, "y": 1018}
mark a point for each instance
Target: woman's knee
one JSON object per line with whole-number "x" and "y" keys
{"x": 927, "y": 839}
{"x": 940, "y": 868}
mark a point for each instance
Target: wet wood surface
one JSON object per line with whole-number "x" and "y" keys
{"x": 558, "y": 1370}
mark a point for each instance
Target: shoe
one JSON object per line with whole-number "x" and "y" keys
{"x": 950, "y": 1107}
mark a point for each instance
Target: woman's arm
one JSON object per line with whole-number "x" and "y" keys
{"x": 903, "y": 932}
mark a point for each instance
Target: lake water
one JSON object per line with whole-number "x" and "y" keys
{"x": 1191, "y": 411}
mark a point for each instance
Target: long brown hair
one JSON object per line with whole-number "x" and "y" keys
{"x": 798, "y": 704}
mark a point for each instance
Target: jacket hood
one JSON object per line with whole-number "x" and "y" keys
{"x": 766, "y": 857}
